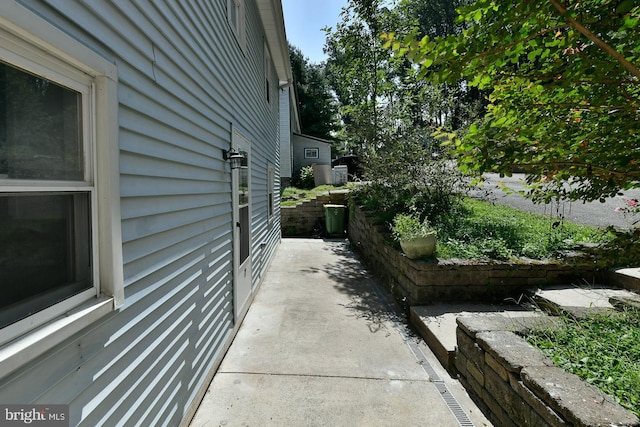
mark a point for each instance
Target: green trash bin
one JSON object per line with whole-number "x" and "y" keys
{"x": 334, "y": 219}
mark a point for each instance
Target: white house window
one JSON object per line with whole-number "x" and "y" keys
{"x": 267, "y": 74}
{"x": 271, "y": 173}
{"x": 311, "y": 153}
{"x": 61, "y": 247}
{"x": 236, "y": 18}
{"x": 45, "y": 234}
{"x": 40, "y": 128}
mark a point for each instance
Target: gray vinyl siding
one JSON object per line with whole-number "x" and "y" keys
{"x": 183, "y": 83}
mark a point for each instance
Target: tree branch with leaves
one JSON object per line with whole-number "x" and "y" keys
{"x": 564, "y": 92}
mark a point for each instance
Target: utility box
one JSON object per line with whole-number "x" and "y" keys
{"x": 334, "y": 219}
{"x": 340, "y": 175}
{"x": 321, "y": 174}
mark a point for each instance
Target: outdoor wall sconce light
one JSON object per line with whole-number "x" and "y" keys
{"x": 235, "y": 158}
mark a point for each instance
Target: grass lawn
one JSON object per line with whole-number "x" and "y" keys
{"x": 489, "y": 230}
{"x": 602, "y": 349}
{"x": 292, "y": 195}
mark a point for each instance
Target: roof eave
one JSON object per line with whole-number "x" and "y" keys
{"x": 273, "y": 23}
{"x": 272, "y": 18}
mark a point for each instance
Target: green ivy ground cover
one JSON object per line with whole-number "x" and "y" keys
{"x": 602, "y": 349}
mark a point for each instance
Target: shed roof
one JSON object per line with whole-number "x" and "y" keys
{"x": 314, "y": 138}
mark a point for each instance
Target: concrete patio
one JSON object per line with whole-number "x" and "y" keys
{"x": 323, "y": 344}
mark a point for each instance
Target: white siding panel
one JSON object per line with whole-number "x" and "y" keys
{"x": 151, "y": 166}
{"x": 223, "y": 78}
{"x": 145, "y": 135}
{"x": 156, "y": 186}
{"x": 157, "y": 109}
{"x": 143, "y": 255}
{"x": 141, "y": 146}
{"x": 183, "y": 82}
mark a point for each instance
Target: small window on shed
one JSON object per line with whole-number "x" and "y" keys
{"x": 311, "y": 153}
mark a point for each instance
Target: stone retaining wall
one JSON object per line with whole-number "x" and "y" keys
{"x": 516, "y": 385}
{"x": 436, "y": 280}
{"x": 302, "y": 219}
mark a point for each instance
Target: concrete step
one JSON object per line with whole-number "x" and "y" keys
{"x": 627, "y": 278}
{"x": 579, "y": 301}
{"x": 436, "y": 323}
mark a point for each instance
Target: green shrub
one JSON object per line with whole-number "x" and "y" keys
{"x": 410, "y": 173}
{"x": 305, "y": 179}
{"x": 474, "y": 229}
{"x": 622, "y": 250}
{"x": 407, "y": 227}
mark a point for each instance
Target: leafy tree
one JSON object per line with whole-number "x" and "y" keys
{"x": 564, "y": 91}
{"x": 450, "y": 105}
{"x": 380, "y": 94}
{"x": 435, "y": 18}
{"x": 388, "y": 112}
{"x": 354, "y": 69}
{"x": 317, "y": 106}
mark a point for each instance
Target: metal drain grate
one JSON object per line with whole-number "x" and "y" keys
{"x": 453, "y": 405}
{"x": 422, "y": 359}
{"x": 450, "y": 400}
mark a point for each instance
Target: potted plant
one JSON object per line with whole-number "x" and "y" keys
{"x": 417, "y": 239}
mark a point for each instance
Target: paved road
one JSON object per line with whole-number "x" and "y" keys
{"x": 593, "y": 213}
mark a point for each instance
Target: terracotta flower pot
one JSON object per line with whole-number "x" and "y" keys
{"x": 419, "y": 247}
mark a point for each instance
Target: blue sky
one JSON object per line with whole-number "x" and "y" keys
{"x": 304, "y": 20}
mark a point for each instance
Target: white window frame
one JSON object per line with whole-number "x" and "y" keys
{"x": 312, "y": 153}
{"x": 271, "y": 197}
{"x": 35, "y": 45}
{"x": 237, "y": 20}
{"x": 268, "y": 79}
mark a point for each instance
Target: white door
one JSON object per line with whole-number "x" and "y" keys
{"x": 241, "y": 185}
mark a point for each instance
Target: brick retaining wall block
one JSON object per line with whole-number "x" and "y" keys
{"x": 438, "y": 280}
{"x": 516, "y": 385}
{"x": 300, "y": 220}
